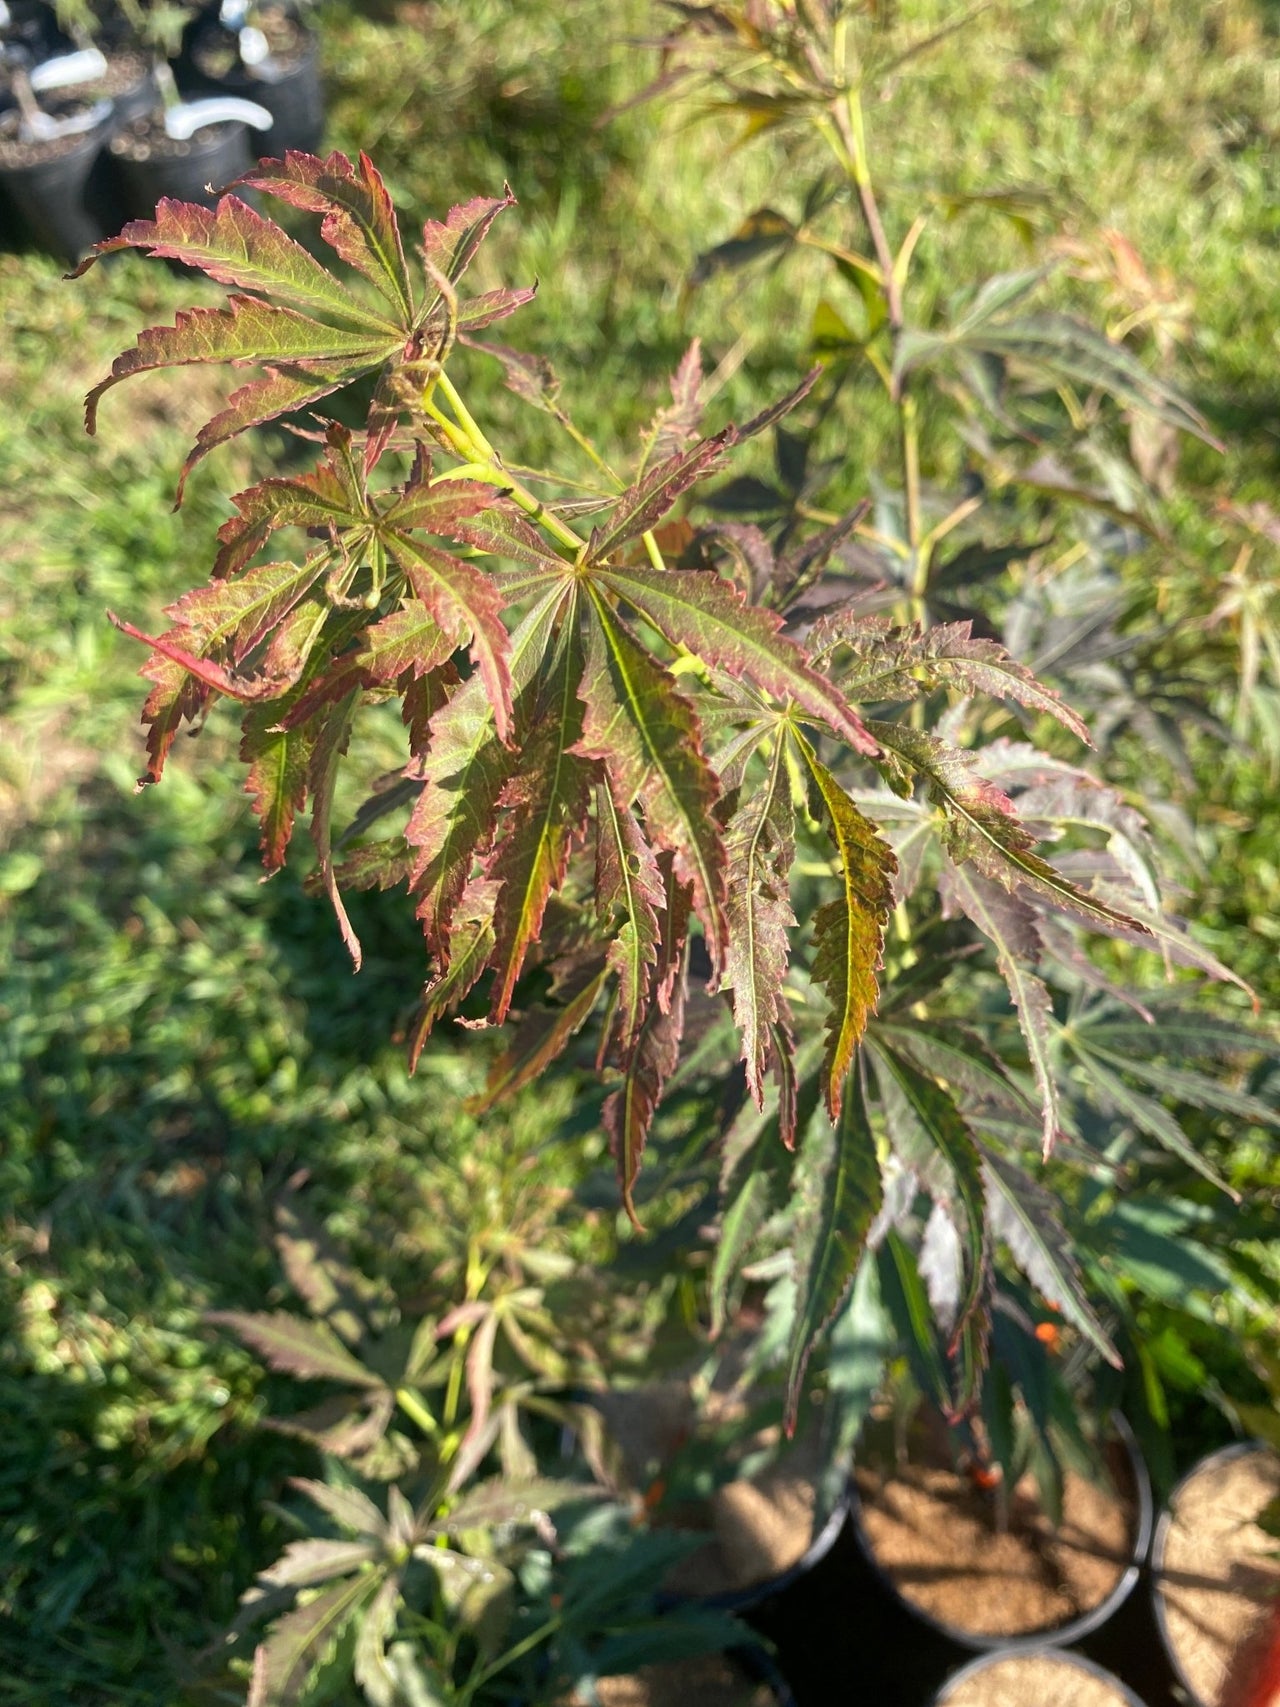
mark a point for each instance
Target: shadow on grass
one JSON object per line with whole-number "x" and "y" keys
{"x": 176, "y": 1040}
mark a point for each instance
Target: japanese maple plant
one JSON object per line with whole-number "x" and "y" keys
{"x": 625, "y": 737}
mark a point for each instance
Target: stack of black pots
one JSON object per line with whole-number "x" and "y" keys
{"x": 842, "y": 1631}
{"x": 89, "y": 140}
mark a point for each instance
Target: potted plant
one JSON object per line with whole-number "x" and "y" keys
{"x": 618, "y": 751}
{"x": 1030, "y": 1678}
{"x": 51, "y": 153}
{"x": 1215, "y": 1568}
{"x": 261, "y": 51}
{"x": 183, "y": 149}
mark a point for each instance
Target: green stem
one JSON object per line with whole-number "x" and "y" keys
{"x": 476, "y": 1683}
{"x": 486, "y": 452}
{"x": 484, "y": 465}
{"x": 413, "y": 1407}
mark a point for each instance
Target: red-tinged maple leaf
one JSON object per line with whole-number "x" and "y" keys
{"x": 646, "y": 735}
{"x": 760, "y": 844}
{"x": 279, "y": 763}
{"x": 470, "y": 949}
{"x": 629, "y": 895}
{"x": 628, "y": 1112}
{"x": 465, "y": 768}
{"x": 310, "y": 330}
{"x": 713, "y": 621}
{"x": 317, "y": 499}
{"x": 544, "y": 804}
{"x": 176, "y": 698}
{"x": 848, "y": 933}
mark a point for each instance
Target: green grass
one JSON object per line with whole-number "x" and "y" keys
{"x": 176, "y": 1039}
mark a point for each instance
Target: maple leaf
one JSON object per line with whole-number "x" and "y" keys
{"x": 545, "y": 805}
{"x": 901, "y": 663}
{"x": 308, "y": 329}
{"x": 629, "y": 885}
{"x": 628, "y": 1112}
{"x": 760, "y": 848}
{"x": 646, "y": 735}
{"x": 840, "y": 1192}
{"x": 465, "y": 770}
{"x": 713, "y": 621}
{"x": 848, "y": 933}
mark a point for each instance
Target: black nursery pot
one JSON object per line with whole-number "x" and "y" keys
{"x": 942, "y": 1645}
{"x": 1166, "y": 1579}
{"x": 755, "y": 1595}
{"x": 989, "y": 1663}
{"x": 151, "y": 165}
{"x": 54, "y": 191}
{"x": 288, "y": 87}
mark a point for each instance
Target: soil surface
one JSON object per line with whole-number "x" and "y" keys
{"x": 710, "y": 1682}
{"x": 1034, "y": 1680}
{"x": 124, "y": 72}
{"x": 937, "y": 1537}
{"x": 15, "y": 153}
{"x": 1219, "y": 1578}
{"x": 757, "y": 1529}
{"x": 147, "y": 139}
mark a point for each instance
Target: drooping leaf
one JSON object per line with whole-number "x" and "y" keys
{"x": 465, "y": 768}
{"x": 540, "y": 1038}
{"x": 760, "y": 847}
{"x": 369, "y": 1657}
{"x": 647, "y": 736}
{"x": 741, "y": 1221}
{"x": 279, "y": 763}
{"x": 175, "y": 698}
{"x": 545, "y": 810}
{"x": 327, "y": 750}
{"x": 628, "y": 1112}
{"x": 304, "y": 359}
{"x": 284, "y": 1662}
{"x": 848, "y": 933}
{"x": 1025, "y": 1216}
{"x": 1011, "y": 927}
{"x": 940, "y": 1261}
{"x": 628, "y": 885}
{"x": 711, "y": 618}
{"x": 983, "y": 827}
{"x": 470, "y": 947}
{"x": 1148, "y": 1115}
{"x": 945, "y": 1130}
{"x": 296, "y": 1347}
{"x": 843, "y": 1199}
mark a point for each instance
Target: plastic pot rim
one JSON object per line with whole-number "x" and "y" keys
{"x": 754, "y": 1594}
{"x": 1047, "y": 1650}
{"x": 1237, "y": 1449}
{"x": 1053, "y": 1636}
